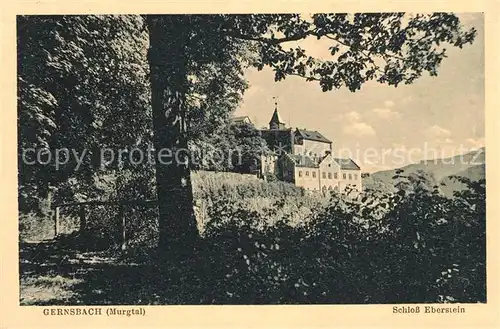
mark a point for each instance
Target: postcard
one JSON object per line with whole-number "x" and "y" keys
{"x": 282, "y": 164}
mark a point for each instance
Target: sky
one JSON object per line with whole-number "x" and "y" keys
{"x": 380, "y": 126}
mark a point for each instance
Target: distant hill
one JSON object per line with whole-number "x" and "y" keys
{"x": 474, "y": 173}
{"x": 470, "y": 165}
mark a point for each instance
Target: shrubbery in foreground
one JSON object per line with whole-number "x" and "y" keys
{"x": 411, "y": 246}
{"x": 404, "y": 247}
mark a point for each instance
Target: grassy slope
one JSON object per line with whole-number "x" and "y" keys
{"x": 272, "y": 200}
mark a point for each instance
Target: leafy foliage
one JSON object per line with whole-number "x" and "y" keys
{"x": 82, "y": 83}
{"x": 235, "y": 147}
{"x": 417, "y": 251}
{"x": 389, "y": 48}
{"x": 379, "y": 248}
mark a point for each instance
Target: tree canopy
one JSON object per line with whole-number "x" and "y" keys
{"x": 390, "y": 48}
{"x": 82, "y": 83}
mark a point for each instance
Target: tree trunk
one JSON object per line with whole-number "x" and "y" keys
{"x": 169, "y": 35}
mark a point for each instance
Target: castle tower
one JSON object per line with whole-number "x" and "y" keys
{"x": 276, "y": 122}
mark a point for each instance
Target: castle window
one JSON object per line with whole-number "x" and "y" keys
{"x": 355, "y": 176}
{"x": 300, "y": 173}
{"x": 324, "y": 175}
{"x": 344, "y": 176}
{"x": 350, "y": 176}
{"x": 329, "y": 175}
{"x": 307, "y": 173}
{"x": 314, "y": 174}
{"x": 336, "y": 176}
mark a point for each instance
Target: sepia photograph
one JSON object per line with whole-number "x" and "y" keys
{"x": 252, "y": 159}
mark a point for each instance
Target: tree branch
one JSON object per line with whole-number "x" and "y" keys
{"x": 310, "y": 77}
{"x": 270, "y": 41}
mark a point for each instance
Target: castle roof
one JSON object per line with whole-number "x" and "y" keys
{"x": 346, "y": 164}
{"x": 311, "y": 135}
{"x": 305, "y": 160}
{"x": 276, "y": 117}
{"x": 242, "y": 119}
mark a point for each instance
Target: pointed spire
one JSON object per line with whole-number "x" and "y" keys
{"x": 276, "y": 121}
{"x": 276, "y": 118}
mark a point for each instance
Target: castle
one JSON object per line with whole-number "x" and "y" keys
{"x": 305, "y": 158}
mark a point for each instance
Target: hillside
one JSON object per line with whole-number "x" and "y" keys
{"x": 246, "y": 194}
{"x": 470, "y": 165}
{"x": 474, "y": 173}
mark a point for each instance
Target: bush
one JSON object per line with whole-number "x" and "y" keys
{"x": 417, "y": 247}
{"x": 270, "y": 243}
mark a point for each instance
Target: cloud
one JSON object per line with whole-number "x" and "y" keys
{"x": 476, "y": 142}
{"x": 352, "y": 116}
{"x": 386, "y": 113}
{"x": 438, "y": 132}
{"x": 359, "y": 129}
{"x": 408, "y": 99}
{"x": 354, "y": 126}
{"x": 389, "y": 103}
